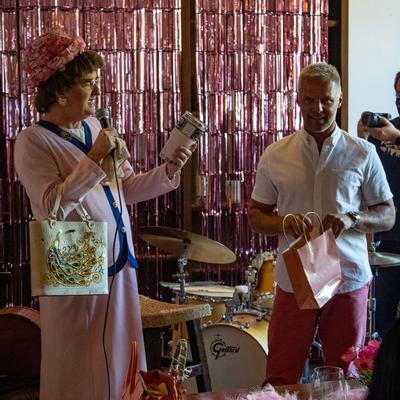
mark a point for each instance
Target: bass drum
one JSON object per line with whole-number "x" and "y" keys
{"x": 20, "y": 346}
{"x": 237, "y": 351}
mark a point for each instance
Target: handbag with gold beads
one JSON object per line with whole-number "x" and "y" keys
{"x": 68, "y": 257}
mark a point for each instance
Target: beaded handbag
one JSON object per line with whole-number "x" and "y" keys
{"x": 68, "y": 257}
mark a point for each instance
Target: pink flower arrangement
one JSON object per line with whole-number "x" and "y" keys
{"x": 363, "y": 359}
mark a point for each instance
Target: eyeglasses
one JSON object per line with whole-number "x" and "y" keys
{"x": 91, "y": 83}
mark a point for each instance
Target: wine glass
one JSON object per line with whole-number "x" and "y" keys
{"x": 328, "y": 383}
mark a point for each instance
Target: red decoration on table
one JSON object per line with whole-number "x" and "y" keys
{"x": 363, "y": 359}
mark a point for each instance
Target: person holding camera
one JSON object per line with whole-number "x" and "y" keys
{"x": 378, "y": 127}
{"x": 384, "y": 133}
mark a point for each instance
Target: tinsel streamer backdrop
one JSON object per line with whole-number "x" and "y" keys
{"x": 248, "y": 58}
{"x": 141, "y": 43}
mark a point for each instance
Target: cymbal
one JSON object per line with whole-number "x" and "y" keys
{"x": 382, "y": 259}
{"x": 179, "y": 242}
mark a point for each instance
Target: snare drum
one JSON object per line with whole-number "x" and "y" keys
{"x": 237, "y": 351}
{"x": 215, "y": 295}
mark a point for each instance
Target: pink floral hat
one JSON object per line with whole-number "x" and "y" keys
{"x": 49, "y": 53}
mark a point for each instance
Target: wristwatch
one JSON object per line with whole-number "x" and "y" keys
{"x": 355, "y": 216}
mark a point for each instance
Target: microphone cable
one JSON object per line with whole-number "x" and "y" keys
{"x": 112, "y": 280}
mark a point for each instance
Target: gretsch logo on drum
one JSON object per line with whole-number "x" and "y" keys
{"x": 219, "y": 349}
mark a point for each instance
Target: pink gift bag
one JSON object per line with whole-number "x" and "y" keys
{"x": 313, "y": 266}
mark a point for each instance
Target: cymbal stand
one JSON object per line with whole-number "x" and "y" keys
{"x": 181, "y": 275}
{"x": 372, "y": 309}
{"x": 371, "y": 296}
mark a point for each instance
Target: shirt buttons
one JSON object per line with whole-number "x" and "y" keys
{"x": 123, "y": 229}
{"x": 114, "y": 204}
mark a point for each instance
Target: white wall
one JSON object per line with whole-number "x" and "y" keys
{"x": 373, "y": 57}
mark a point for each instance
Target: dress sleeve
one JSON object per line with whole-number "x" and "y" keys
{"x": 146, "y": 186}
{"x": 41, "y": 174}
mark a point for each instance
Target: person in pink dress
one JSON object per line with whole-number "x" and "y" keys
{"x": 64, "y": 151}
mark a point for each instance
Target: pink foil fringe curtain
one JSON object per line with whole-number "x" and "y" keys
{"x": 248, "y": 58}
{"x": 141, "y": 43}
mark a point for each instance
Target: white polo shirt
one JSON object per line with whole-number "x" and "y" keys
{"x": 346, "y": 176}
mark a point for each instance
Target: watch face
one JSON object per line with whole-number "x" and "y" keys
{"x": 354, "y": 216}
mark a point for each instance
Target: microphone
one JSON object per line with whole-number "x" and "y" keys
{"x": 103, "y": 115}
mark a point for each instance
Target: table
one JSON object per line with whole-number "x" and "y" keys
{"x": 302, "y": 390}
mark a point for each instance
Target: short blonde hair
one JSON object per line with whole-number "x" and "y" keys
{"x": 320, "y": 70}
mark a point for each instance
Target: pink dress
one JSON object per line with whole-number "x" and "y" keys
{"x": 73, "y": 364}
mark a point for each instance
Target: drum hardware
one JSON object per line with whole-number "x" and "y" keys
{"x": 373, "y": 245}
{"x": 251, "y": 279}
{"x": 371, "y": 305}
{"x": 377, "y": 260}
{"x": 186, "y": 246}
{"x": 181, "y": 275}
{"x": 174, "y": 285}
{"x": 231, "y": 307}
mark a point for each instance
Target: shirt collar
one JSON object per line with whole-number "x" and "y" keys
{"x": 332, "y": 139}
{"x": 77, "y": 133}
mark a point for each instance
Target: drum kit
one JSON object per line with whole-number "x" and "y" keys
{"x": 236, "y": 331}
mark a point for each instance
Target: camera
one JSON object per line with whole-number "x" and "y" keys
{"x": 373, "y": 120}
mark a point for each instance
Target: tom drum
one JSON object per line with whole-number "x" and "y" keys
{"x": 265, "y": 273}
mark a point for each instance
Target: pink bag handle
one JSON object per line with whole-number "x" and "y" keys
{"x": 283, "y": 226}
{"x": 321, "y": 227}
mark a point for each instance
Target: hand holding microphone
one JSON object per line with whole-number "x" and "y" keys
{"x": 103, "y": 115}
{"x": 105, "y": 141}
